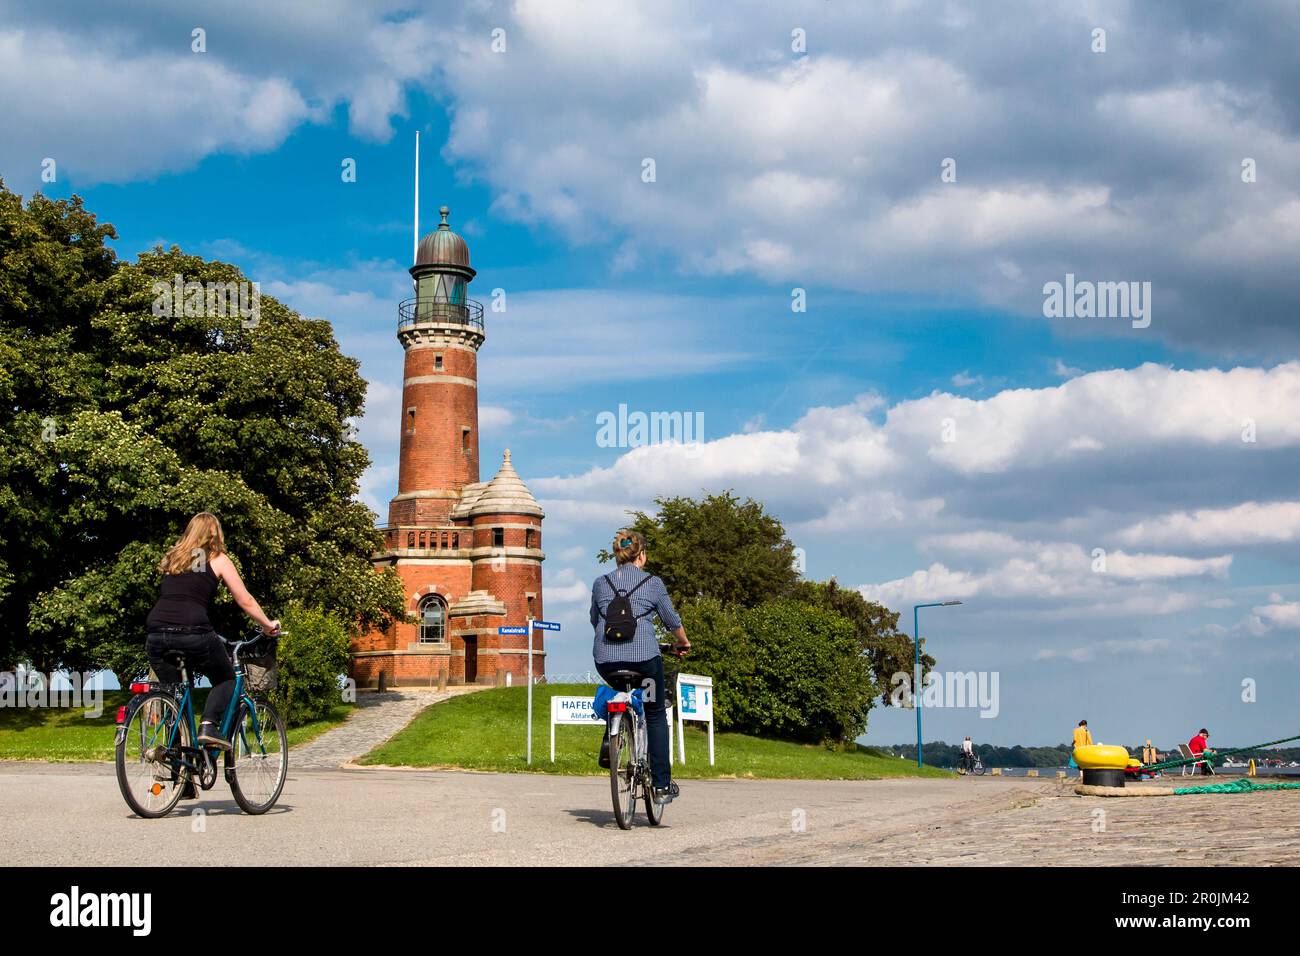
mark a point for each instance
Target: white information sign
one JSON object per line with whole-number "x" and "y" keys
{"x": 571, "y": 710}
{"x": 576, "y": 711}
{"x": 694, "y": 702}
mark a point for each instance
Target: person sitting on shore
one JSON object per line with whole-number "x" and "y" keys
{"x": 1199, "y": 746}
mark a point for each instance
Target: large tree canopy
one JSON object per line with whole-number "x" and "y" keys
{"x": 720, "y": 547}
{"x": 888, "y": 650}
{"x": 722, "y": 558}
{"x": 118, "y": 423}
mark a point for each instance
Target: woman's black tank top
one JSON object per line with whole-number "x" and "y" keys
{"x": 184, "y": 601}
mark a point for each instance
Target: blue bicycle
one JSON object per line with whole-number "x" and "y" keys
{"x": 158, "y": 761}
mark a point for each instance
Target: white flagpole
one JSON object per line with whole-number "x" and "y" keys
{"x": 415, "y": 242}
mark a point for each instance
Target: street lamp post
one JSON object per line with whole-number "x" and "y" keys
{"x": 916, "y": 677}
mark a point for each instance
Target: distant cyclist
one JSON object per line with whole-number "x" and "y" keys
{"x": 968, "y": 753}
{"x": 180, "y": 620}
{"x": 639, "y": 651}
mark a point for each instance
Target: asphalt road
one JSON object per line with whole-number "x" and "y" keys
{"x": 74, "y": 815}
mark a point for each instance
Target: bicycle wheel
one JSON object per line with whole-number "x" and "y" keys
{"x": 978, "y": 769}
{"x": 150, "y": 773}
{"x": 622, "y": 773}
{"x": 655, "y": 811}
{"x": 260, "y": 753}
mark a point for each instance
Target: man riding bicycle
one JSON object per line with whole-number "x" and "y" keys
{"x": 967, "y": 754}
{"x": 631, "y": 645}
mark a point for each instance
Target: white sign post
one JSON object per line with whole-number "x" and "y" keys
{"x": 574, "y": 711}
{"x": 694, "y": 702}
{"x": 515, "y": 629}
{"x": 543, "y": 626}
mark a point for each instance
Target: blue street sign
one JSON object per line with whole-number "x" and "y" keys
{"x": 513, "y": 629}
{"x": 546, "y": 625}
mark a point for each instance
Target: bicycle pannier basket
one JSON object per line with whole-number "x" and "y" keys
{"x": 260, "y": 667}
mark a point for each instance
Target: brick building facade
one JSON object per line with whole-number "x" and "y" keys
{"x": 469, "y": 552}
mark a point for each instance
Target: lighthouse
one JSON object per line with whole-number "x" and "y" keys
{"x": 469, "y": 552}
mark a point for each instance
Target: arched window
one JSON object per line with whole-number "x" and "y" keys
{"x": 433, "y": 620}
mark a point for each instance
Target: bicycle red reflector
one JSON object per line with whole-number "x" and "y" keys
{"x": 618, "y": 706}
{"x": 138, "y": 688}
{"x": 121, "y": 714}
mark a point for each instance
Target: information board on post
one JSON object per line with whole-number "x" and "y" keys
{"x": 572, "y": 711}
{"x": 694, "y": 702}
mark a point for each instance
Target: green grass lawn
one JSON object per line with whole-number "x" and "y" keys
{"x": 485, "y": 731}
{"x": 67, "y": 734}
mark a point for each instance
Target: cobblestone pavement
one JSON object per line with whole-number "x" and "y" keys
{"x": 1055, "y": 826}
{"x": 377, "y": 717}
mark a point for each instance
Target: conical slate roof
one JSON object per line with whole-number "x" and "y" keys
{"x": 506, "y": 494}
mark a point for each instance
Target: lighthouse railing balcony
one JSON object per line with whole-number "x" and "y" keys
{"x": 431, "y": 311}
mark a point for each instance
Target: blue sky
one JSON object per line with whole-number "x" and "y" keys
{"x": 922, "y": 429}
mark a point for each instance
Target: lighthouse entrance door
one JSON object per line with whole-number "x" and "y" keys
{"x": 471, "y": 659}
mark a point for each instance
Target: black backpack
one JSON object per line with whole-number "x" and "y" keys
{"x": 620, "y": 621}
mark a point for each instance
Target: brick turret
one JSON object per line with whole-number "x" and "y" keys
{"x": 468, "y": 552}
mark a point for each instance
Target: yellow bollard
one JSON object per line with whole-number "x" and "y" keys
{"x": 1032, "y": 772}
{"x": 996, "y": 771}
{"x": 1250, "y": 772}
{"x": 1060, "y": 773}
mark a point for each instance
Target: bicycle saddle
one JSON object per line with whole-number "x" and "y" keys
{"x": 624, "y": 678}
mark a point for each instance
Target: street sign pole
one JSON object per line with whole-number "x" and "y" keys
{"x": 530, "y": 689}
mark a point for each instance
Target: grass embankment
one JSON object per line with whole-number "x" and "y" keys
{"x": 485, "y": 731}
{"x": 68, "y": 734}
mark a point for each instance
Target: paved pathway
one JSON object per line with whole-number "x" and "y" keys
{"x": 72, "y": 814}
{"x": 377, "y": 718}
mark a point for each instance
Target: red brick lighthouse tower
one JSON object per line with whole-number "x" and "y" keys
{"x": 468, "y": 552}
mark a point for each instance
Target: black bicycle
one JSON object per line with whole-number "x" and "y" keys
{"x": 970, "y": 763}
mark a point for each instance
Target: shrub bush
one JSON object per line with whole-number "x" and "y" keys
{"x": 312, "y": 656}
{"x": 783, "y": 669}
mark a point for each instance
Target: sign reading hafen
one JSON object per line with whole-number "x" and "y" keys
{"x": 572, "y": 711}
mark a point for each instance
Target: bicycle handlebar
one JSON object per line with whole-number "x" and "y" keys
{"x": 258, "y": 634}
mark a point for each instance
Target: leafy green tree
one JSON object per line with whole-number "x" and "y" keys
{"x": 124, "y": 414}
{"x": 737, "y": 554}
{"x": 782, "y": 669}
{"x": 889, "y": 650}
{"x": 720, "y": 547}
{"x": 54, "y": 265}
{"x": 310, "y": 657}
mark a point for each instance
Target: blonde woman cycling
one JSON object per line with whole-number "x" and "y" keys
{"x": 180, "y": 620}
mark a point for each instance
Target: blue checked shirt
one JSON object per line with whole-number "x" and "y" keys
{"x": 651, "y": 596}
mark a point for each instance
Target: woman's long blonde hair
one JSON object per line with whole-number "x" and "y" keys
{"x": 201, "y": 542}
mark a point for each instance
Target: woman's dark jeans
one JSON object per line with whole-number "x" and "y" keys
{"x": 205, "y": 654}
{"x": 655, "y": 717}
